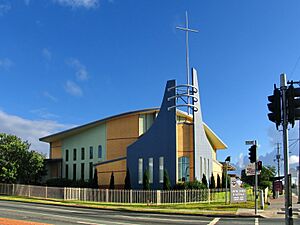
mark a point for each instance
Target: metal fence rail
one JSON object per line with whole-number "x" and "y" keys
{"x": 118, "y": 196}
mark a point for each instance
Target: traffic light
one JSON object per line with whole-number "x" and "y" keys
{"x": 252, "y": 153}
{"x": 259, "y": 165}
{"x": 293, "y": 104}
{"x": 275, "y": 107}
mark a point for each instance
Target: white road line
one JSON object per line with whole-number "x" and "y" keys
{"x": 50, "y": 209}
{"x": 256, "y": 221}
{"x": 214, "y": 221}
{"x": 184, "y": 221}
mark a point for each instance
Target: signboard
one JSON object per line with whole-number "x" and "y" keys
{"x": 237, "y": 193}
{"x": 249, "y": 142}
{"x": 250, "y": 170}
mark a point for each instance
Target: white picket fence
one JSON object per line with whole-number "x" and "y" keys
{"x": 115, "y": 196}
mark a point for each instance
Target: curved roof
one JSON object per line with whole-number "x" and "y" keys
{"x": 78, "y": 129}
{"x": 215, "y": 141}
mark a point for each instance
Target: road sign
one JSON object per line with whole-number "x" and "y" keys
{"x": 250, "y": 170}
{"x": 237, "y": 193}
{"x": 249, "y": 142}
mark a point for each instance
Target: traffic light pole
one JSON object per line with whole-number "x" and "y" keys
{"x": 255, "y": 190}
{"x": 287, "y": 188}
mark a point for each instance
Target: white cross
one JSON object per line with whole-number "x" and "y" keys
{"x": 187, "y": 30}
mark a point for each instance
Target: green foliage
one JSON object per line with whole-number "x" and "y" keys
{"x": 218, "y": 181}
{"x": 212, "y": 183}
{"x": 17, "y": 163}
{"x": 62, "y": 182}
{"x": 247, "y": 179}
{"x": 167, "y": 183}
{"x": 94, "y": 182}
{"x": 204, "y": 180}
{"x": 127, "y": 185}
{"x": 265, "y": 177}
{"x": 146, "y": 182}
{"x": 112, "y": 181}
{"x": 189, "y": 185}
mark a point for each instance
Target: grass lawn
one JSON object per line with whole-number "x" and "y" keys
{"x": 191, "y": 208}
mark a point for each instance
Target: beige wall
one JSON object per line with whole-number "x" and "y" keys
{"x": 55, "y": 151}
{"x": 105, "y": 170}
{"x": 185, "y": 145}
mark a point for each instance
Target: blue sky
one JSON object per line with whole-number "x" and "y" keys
{"x": 69, "y": 62}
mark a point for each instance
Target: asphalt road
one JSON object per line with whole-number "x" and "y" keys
{"x": 70, "y": 215}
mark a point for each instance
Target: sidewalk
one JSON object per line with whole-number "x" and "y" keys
{"x": 276, "y": 208}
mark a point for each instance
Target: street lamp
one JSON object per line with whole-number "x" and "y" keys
{"x": 227, "y": 161}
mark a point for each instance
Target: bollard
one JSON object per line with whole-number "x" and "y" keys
{"x": 262, "y": 200}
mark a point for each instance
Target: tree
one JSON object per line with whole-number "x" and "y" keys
{"x": 146, "y": 183}
{"x": 218, "y": 181}
{"x": 94, "y": 182}
{"x": 17, "y": 163}
{"x": 204, "y": 180}
{"x": 247, "y": 179}
{"x": 127, "y": 182}
{"x": 265, "y": 177}
{"x": 167, "y": 183}
{"x": 112, "y": 181}
{"x": 212, "y": 181}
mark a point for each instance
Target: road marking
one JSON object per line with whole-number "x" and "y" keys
{"x": 88, "y": 221}
{"x": 256, "y": 221}
{"x": 214, "y": 221}
{"x": 162, "y": 219}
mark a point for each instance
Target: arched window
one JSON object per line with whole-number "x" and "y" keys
{"x": 184, "y": 169}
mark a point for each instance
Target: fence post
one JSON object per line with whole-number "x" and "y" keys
{"x": 184, "y": 196}
{"x": 65, "y": 193}
{"x": 158, "y": 200}
{"x": 130, "y": 196}
{"x": 29, "y": 191}
{"x": 13, "y": 189}
{"x": 46, "y": 192}
{"x": 106, "y": 195}
{"x": 208, "y": 196}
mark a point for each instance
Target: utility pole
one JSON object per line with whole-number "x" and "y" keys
{"x": 299, "y": 166}
{"x": 255, "y": 191}
{"x": 287, "y": 185}
{"x": 278, "y": 157}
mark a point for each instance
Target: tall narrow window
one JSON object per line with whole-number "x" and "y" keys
{"x": 205, "y": 167}
{"x": 74, "y": 171}
{"x": 82, "y": 153}
{"x": 67, "y": 155}
{"x": 161, "y": 169}
{"x": 201, "y": 168}
{"x": 208, "y": 172}
{"x": 91, "y": 171}
{"x": 150, "y": 170}
{"x": 100, "y": 151}
{"x": 140, "y": 171}
{"x": 74, "y": 154}
{"x": 67, "y": 171}
{"x": 82, "y": 171}
{"x": 91, "y": 152}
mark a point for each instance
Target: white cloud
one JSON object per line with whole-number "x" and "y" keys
{"x": 88, "y": 4}
{"x": 240, "y": 161}
{"x": 43, "y": 113}
{"x": 51, "y": 97}
{"x": 6, "y": 63}
{"x": 73, "y": 89}
{"x": 47, "y": 54}
{"x": 4, "y": 7}
{"x": 81, "y": 72}
{"x": 293, "y": 159}
{"x": 30, "y": 130}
